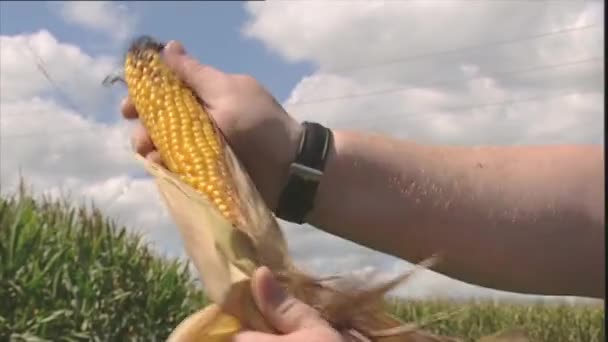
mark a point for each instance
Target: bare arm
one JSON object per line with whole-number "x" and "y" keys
{"x": 527, "y": 219}
{"x": 523, "y": 219}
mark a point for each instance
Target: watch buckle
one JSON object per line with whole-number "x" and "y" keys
{"x": 307, "y": 173}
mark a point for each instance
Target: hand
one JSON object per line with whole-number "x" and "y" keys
{"x": 258, "y": 129}
{"x": 297, "y": 321}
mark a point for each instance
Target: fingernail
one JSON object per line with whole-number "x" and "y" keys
{"x": 175, "y": 47}
{"x": 272, "y": 291}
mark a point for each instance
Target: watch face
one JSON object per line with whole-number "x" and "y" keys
{"x": 306, "y": 172}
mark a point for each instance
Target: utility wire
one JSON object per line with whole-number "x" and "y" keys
{"x": 445, "y": 81}
{"x": 462, "y": 49}
{"x": 40, "y": 65}
{"x": 541, "y": 67}
{"x": 368, "y": 94}
{"x": 454, "y": 108}
{"x": 479, "y": 105}
{"x": 448, "y": 81}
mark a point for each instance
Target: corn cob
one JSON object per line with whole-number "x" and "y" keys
{"x": 182, "y": 131}
{"x": 198, "y": 158}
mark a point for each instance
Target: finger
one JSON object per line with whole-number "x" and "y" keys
{"x": 202, "y": 78}
{"x": 128, "y": 109}
{"x": 141, "y": 141}
{"x": 283, "y": 311}
{"x": 154, "y": 157}
{"x": 252, "y": 336}
{"x": 318, "y": 334}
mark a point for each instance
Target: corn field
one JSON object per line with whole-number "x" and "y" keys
{"x": 67, "y": 273}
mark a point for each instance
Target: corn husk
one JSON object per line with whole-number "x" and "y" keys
{"x": 209, "y": 324}
{"x": 226, "y": 255}
{"x": 223, "y": 255}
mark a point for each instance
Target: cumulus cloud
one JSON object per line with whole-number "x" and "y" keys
{"x": 63, "y": 141}
{"x": 51, "y": 136}
{"x": 107, "y": 17}
{"x": 74, "y": 78}
{"x": 340, "y": 35}
{"x": 532, "y": 72}
{"x": 488, "y": 72}
{"x": 60, "y": 148}
{"x": 377, "y": 73}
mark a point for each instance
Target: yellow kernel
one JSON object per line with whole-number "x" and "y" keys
{"x": 180, "y": 128}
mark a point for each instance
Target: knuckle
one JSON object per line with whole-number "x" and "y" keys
{"x": 296, "y": 311}
{"x": 245, "y": 79}
{"x": 138, "y": 145}
{"x": 135, "y": 143}
{"x": 139, "y": 142}
{"x": 287, "y": 307}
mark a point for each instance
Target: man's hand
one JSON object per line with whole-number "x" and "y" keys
{"x": 259, "y": 130}
{"x": 297, "y": 321}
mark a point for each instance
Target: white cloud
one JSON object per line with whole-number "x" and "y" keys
{"x": 60, "y": 150}
{"x": 41, "y": 133}
{"x": 59, "y": 147}
{"x": 336, "y": 36}
{"x": 402, "y": 45}
{"x": 341, "y": 34}
{"x": 438, "y": 90}
{"x": 75, "y": 77}
{"x": 113, "y": 19}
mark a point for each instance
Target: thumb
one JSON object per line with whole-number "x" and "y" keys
{"x": 283, "y": 311}
{"x": 202, "y": 78}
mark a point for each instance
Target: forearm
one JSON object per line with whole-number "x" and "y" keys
{"x": 501, "y": 217}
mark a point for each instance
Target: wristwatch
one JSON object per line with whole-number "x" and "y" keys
{"x": 305, "y": 172}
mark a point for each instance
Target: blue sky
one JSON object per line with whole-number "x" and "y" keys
{"x": 89, "y": 153}
{"x": 211, "y": 31}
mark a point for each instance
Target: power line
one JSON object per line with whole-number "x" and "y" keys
{"x": 464, "y": 48}
{"x": 40, "y": 66}
{"x": 540, "y": 67}
{"x": 485, "y": 105}
{"x": 444, "y": 81}
{"x": 454, "y": 108}
{"x": 73, "y": 131}
{"x": 39, "y": 61}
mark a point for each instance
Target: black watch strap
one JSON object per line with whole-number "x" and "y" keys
{"x": 297, "y": 198}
